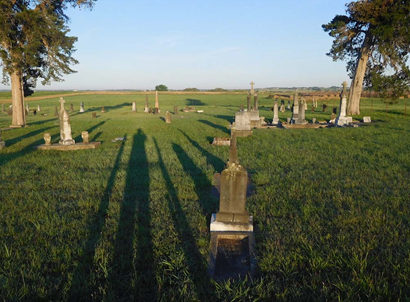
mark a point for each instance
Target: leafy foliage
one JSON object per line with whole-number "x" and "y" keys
{"x": 161, "y": 87}
{"x": 381, "y": 25}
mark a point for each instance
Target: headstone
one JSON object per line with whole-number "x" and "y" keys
{"x": 82, "y": 107}
{"x": 168, "y": 117}
{"x": 255, "y": 102}
{"x": 313, "y": 120}
{"x": 242, "y": 121}
{"x": 2, "y": 143}
{"x": 288, "y": 107}
{"x": 175, "y": 110}
{"x": 342, "y": 119}
{"x": 295, "y": 111}
{"x": 288, "y": 120}
{"x": 301, "y": 114}
{"x": 146, "y": 108}
{"x": 252, "y": 89}
{"x": 134, "y": 107}
{"x": 367, "y": 119}
{"x": 27, "y": 109}
{"x": 86, "y": 137}
{"x": 156, "y": 102}
{"x": 102, "y": 109}
{"x": 275, "y": 120}
{"x": 55, "y": 111}
{"x": 94, "y": 115}
{"x": 71, "y": 107}
{"x": 282, "y": 108}
{"x": 65, "y": 127}
{"x": 38, "y": 108}
{"x": 232, "y": 239}
{"x": 47, "y": 139}
{"x": 248, "y": 102}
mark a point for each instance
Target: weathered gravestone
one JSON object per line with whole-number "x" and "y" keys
{"x": 342, "y": 119}
{"x": 367, "y": 119}
{"x": 81, "y": 107}
{"x": 300, "y": 120}
{"x": 255, "y": 102}
{"x": 146, "y": 107}
{"x": 168, "y": 117}
{"x": 94, "y": 115}
{"x": 134, "y": 107}
{"x": 65, "y": 127}
{"x": 232, "y": 239}
{"x": 156, "y": 102}
{"x": 295, "y": 111}
{"x": 275, "y": 120}
{"x": 175, "y": 110}
{"x": 47, "y": 139}
{"x": 85, "y": 137}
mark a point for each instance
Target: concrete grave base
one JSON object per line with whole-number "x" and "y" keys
{"x": 221, "y": 141}
{"x": 243, "y": 133}
{"x": 78, "y": 146}
{"x": 232, "y": 255}
{"x": 218, "y": 226}
{"x": 303, "y": 126}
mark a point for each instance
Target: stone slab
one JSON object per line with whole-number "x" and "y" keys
{"x": 367, "y": 119}
{"x": 221, "y": 141}
{"x": 303, "y": 126}
{"x": 232, "y": 255}
{"x": 78, "y": 146}
{"x": 218, "y": 226}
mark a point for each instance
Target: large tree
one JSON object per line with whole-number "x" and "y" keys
{"x": 34, "y": 43}
{"x": 373, "y": 35}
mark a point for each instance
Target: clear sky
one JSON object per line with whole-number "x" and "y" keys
{"x": 137, "y": 44}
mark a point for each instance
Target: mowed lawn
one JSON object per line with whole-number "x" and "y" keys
{"x": 130, "y": 220}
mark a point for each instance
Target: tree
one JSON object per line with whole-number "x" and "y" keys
{"x": 161, "y": 87}
{"x": 373, "y": 35}
{"x": 34, "y": 44}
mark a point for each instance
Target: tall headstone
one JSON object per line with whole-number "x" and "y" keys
{"x": 275, "y": 120}
{"x": 146, "y": 108}
{"x": 295, "y": 112}
{"x": 252, "y": 88}
{"x": 81, "y": 107}
{"x": 342, "y": 119}
{"x": 156, "y": 102}
{"x": 288, "y": 107}
{"x": 175, "y": 110}
{"x": 168, "y": 117}
{"x": 255, "y": 102}
{"x": 301, "y": 114}
{"x": 134, "y": 107}
{"x": 248, "y": 102}
{"x": 65, "y": 127}
{"x": 38, "y": 108}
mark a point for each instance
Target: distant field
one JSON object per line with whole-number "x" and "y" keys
{"x": 130, "y": 221}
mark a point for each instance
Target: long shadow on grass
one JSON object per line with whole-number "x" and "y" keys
{"x": 216, "y": 162}
{"x": 202, "y": 184}
{"x": 213, "y": 125}
{"x": 133, "y": 273}
{"x": 107, "y": 108}
{"x": 12, "y": 141}
{"x": 91, "y": 129}
{"x": 196, "y": 265}
{"x": 81, "y": 285}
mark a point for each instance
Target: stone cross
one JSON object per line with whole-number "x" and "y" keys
{"x": 275, "y": 120}
{"x": 252, "y": 89}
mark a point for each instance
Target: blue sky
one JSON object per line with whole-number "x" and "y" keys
{"x": 134, "y": 44}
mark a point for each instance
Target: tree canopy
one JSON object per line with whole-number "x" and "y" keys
{"x": 376, "y": 31}
{"x": 161, "y": 87}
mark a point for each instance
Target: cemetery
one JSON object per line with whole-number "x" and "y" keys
{"x": 286, "y": 182}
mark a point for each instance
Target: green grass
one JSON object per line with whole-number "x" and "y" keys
{"x": 130, "y": 221}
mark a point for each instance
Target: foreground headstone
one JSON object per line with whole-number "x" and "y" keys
{"x": 82, "y": 107}
{"x": 295, "y": 111}
{"x": 282, "y": 108}
{"x": 65, "y": 127}
{"x": 275, "y": 120}
{"x": 156, "y": 102}
{"x": 134, "y": 107}
{"x": 342, "y": 119}
{"x": 367, "y": 119}
{"x": 168, "y": 117}
{"x": 232, "y": 238}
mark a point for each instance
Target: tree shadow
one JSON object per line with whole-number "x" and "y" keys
{"x": 12, "y": 141}
{"x": 203, "y": 186}
{"x": 108, "y": 108}
{"x": 133, "y": 275}
{"x": 96, "y": 136}
{"x": 216, "y": 162}
{"x": 194, "y": 102}
{"x": 91, "y": 129}
{"x": 216, "y": 126}
{"x": 196, "y": 264}
{"x": 228, "y": 118}
{"x": 80, "y": 286}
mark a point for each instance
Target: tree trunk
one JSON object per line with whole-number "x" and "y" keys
{"x": 357, "y": 82}
{"x": 19, "y": 117}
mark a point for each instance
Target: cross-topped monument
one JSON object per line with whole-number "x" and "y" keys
{"x": 252, "y": 89}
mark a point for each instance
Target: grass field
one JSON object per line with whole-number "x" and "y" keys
{"x": 130, "y": 220}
